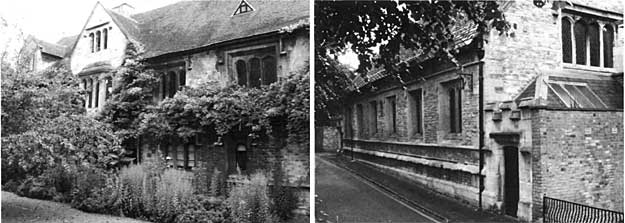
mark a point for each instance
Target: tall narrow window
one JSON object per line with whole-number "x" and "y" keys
{"x": 182, "y": 78}
{"x": 163, "y": 86}
{"x": 269, "y": 70}
{"x": 416, "y": 111}
{"x": 85, "y": 87}
{"x": 91, "y": 42}
{"x": 608, "y": 45}
{"x": 593, "y": 37}
{"x": 241, "y": 68}
{"x": 106, "y": 37}
{"x": 172, "y": 84}
{"x": 348, "y": 123}
{"x": 98, "y": 37}
{"x": 392, "y": 113}
{"x": 255, "y": 72}
{"x": 97, "y": 92}
{"x": 90, "y": 92}
{"x": 454, "y": 94}
{"x": 580, "y": 42}
{"x": 359, "y": 120}
{"x": 567, "y": 41}
{"x": 373, "y": 118}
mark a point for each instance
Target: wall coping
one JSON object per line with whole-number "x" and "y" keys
{"x": 417, "y": 144}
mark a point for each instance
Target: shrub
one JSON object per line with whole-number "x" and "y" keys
{"x": 94, "y": 191}
{"x": 249, "y": 201}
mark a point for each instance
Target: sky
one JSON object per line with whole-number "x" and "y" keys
{"x": 53, "y": 19}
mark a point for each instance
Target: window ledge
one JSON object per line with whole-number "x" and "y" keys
{"x": 588, "y": 68}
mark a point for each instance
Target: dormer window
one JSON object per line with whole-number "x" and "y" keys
{"x": 243, "y": 8}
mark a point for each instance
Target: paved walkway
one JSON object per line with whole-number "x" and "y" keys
{"x": 21, "y": 209}
{"x": 435, "y": 204}
{"x": 344, "y": 197}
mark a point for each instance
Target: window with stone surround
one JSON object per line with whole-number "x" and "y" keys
{"x": 348, "y": 123}
{"x": 451, "y": 106}
{"x": 416, "y": 111}
{"x": 171, "y": 82}
{"x": 373, "y": 117}
{"x": 391, "y": 118}
{"x": 254, "y": 68}
{"x": 359, "y": 121}
{"x": 98, "y": 37}
{"x": 587, "y": 40}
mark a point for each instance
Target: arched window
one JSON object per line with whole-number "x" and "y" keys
{"x": 97, "y": 40}
{"x": 106, "y": 37}
{"x": 580, "y": 42}
{"x": 97, "y": 93}
{"x": 241, "y": 68}
{"x": 172, "y": 83}
{"x": 567, "y": 43}
{"x": 182, "y": 78}
{"x": 593, "y": 39}
{"x": 91, "y": 41}
{"x": 269, "y": 70}
{"x": 608, "y": 44}
{"x": 255, "y": 72}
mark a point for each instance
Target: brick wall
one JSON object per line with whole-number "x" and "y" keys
{"x": 582, "y": 161}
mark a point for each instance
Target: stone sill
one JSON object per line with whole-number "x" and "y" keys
{"x": 602, "y": 70}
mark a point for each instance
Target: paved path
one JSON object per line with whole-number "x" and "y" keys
{"x": 22, "y": 209}
{"x": 343, "y": 197}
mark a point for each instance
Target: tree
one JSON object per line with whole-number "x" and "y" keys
{"x": 390, "y": 27}
{"x": 133, "y": 87}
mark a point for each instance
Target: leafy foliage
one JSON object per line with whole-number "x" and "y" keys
{"x": 44, "y": 127}
{"x": 231, "y": 108}
{"x": 390, "y": 27}
{"x": 133, "y": 85}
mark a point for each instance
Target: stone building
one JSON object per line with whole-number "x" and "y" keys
{"x": 246, "y": 42}
{"x": 551, "y": 105}
{"x": 36, "y": 55}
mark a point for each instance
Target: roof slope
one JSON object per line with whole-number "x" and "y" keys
{"x": 607, "y": 89}
{"x": 50, "y": 48}
{"x": 192, "y": 24}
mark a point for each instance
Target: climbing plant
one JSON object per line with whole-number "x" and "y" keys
{"x": 231, "y": 108}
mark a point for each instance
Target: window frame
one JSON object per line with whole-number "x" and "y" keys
{"x": 246, "y": 54}
{"x": 416, "y": 111}
{"x": 573, "y": 17}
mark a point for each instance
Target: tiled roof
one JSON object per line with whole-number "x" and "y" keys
{"x": 192, "y": 24}
{"x": 463, "y": 35}
{"x": 50, "y": 48}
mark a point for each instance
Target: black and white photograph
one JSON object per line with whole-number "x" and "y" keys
{"x": 468, "y": 111}
{"x": 155, "y": 111}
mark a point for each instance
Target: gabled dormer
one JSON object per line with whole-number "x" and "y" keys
{"x": 102, "y": 40}
{"x": 244, "y": 7}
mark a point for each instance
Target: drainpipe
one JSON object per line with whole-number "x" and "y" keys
{"x": 480, "y": 107}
